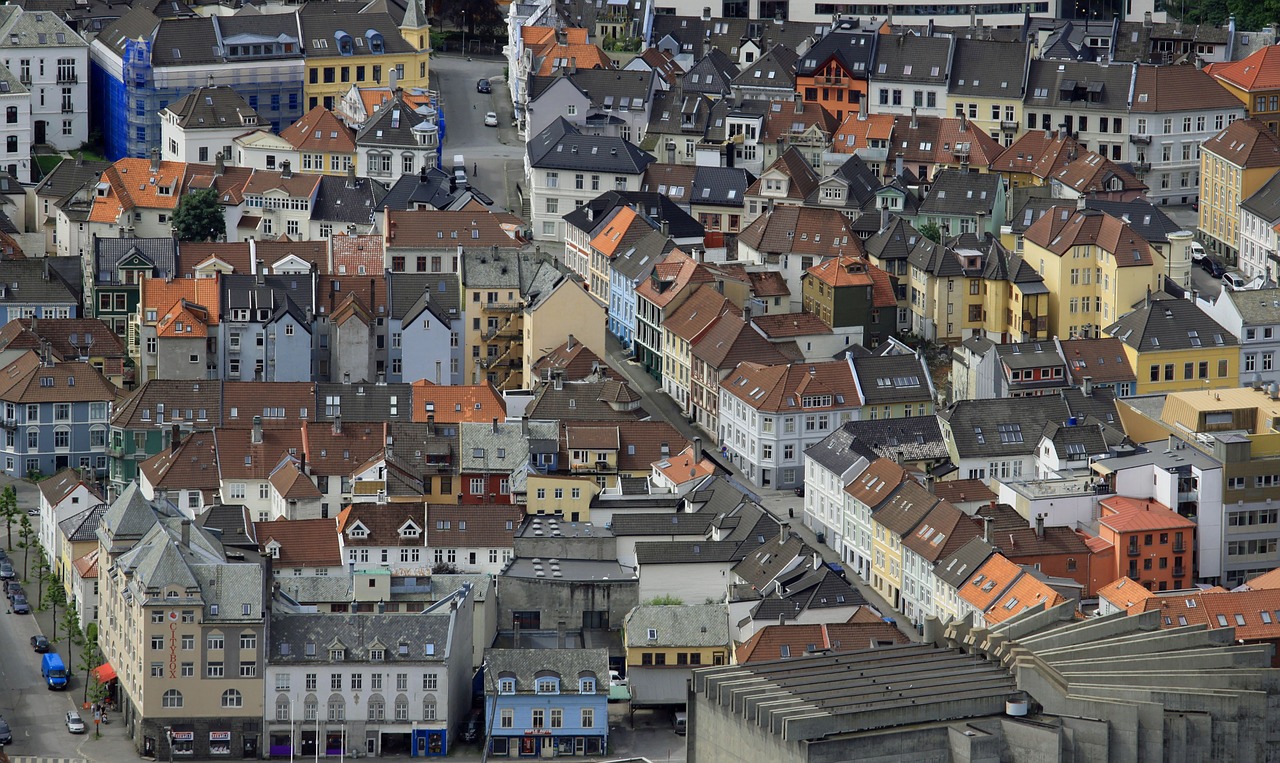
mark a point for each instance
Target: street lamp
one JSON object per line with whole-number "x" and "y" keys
{"x": 168, "y": 733}
{"x": 464, "y": 33}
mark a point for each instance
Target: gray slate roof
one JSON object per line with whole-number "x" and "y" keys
{"x": 850, "y": 44}
{"x": 416, "y": 638}
{"x": 365, "y": 402}
{"x": 69, "y": 176}
{"x": 894, "y": 242}
{"x": 914, "y": 438}
{"x": 526, "y": 664}
{"x": 989, "y": 69}
{"x": 955, "y": 569}
{"x": 411, "y": 293}
{"x": 1079, "y": 85}
{"x": 479, "y": 445}
{"x": 32, "y": 285}
{"x": 775, "y": 69}
{"x": 725, "y": 186}
{"x": 836, "y": 452}
{"x": 959, "y": 193}
{"x": 84, "y": 525}
{"x": 1265, "y": 202}
{"x": 322, "y": 23}
{"x": 912, "y": 58}
{"x": 213, "y": 108}
{"x": 35, "y": 29}
{"x": 637, "y": 262}
{"x": 807, "y": 589}
{"x": 162, "y": 253}
{"x": 341, "y": 199}
{"x": 561, "y": 146}
{"x": 396, "y": 124}
{"x": 1001, "y": 427}
{"x": 711, "y": 74}
{"x": 684, "y": 625}
{"x": 1256, "y": 308}
{"x": 889, "y": 379}
{"x": 1170, "y": 324}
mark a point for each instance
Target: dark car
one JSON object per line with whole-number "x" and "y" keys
{"x": 483, "y": 86}
{"x": 6, "y": 736}
{"x": 471, "y": 726}
{"x": 40, "y": 643}
{"x": 1212, "y": 267}
{"x": 20, "y": 605}
{"x": 6, "y": 571}
{"x": 15, "y": 590}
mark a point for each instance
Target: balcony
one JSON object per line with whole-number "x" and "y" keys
{"x": 1179, "y": 548}
{"x": 1135, "y": 551}
{"x": 68, "y": 79}
{"x": 832, "y": 81}
{"x": 1140, "y": 140}
{"x": 1010, "y": 126}
{"x": 1179, "y": 572}
{"x": 9, "y": 423}
{"x": 503, "y": 306}
{"x": 1142, "y": 167}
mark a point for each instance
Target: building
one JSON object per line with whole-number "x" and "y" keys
{"x": 417, "y": 668}
{"x": 988, "y": 85}
{"x": 63, "y": 496}
{"x": 190, "y": 682}
{"x": 1173, "y": 346}
{"x": 1253, "y": 318}
{"x": 346, "y": 48}
{"x": 1144, "y": 541}
{"x": 141, "y": 61}
{"x": 547, "y": 702}
{"x": 833, "y": 72}
{"x": 1099, "y": 363}
{"x": 664, "y": 643}
{"x": 1254, "y": 82}
{"x": 1085, "y": 98}
{"x": 672, "y": 281}
{"x": 911, "y": 75}
{"x": 401, "y": 138}
{"x": 849, "y": 291}
{"x": 1085, "y": 299}
{"x": 58, "y": 413}
{"x": 1175, "y": 109}
{"x": 322, "y": 143}
{"x": 51, "y": 62}
{"x": 564, "y": 166}
{"x": 202, "y": 125}
{"x": 15, "y": 99}
{"x": 681, "y": 330}
{"x": 1259, "y": 214}
{"x": 769, "y": 415}
{"x": 1234, "y": 165}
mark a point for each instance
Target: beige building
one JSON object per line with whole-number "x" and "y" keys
{"x": 182, "y": 629}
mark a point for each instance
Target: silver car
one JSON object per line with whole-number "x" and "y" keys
{"x": 74, "y": 724}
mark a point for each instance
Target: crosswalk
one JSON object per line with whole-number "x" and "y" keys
{"x": 43, "y": 759}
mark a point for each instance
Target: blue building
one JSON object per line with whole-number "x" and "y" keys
{"x": 47, "y": 287}
{"x": 54, "y": 416}
{"x": 547, "y": 703}
{"x": 266, "y": 325}
{"x": 424, "y": 324}
{"x": 626, "y": 272}
{"x": 141, "y": 63}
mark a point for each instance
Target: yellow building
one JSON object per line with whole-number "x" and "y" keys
{"x": 1173, "y": 346}
{"x": 567, "y": 496}
{"x": 324, "y": 144}
{"x": 347, "y": 48}
{"x": 1233, "y": 164}
{"x": 680, "y": 330}
{"x": 1095, "y": 267}
{"x": 992, "y": 104}
{"x": 672, "y": 637}
{"x": 1255, "y": 80}
{"x": 894, "y": 520}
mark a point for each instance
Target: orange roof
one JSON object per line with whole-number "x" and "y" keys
{"x": 534, "y": 36}
{"x": 302, "y": 542}
{"x": 1124, "y": 593}
{"x": 1255, "y": 615}
{"x": 1176, "y": 609}
{"x": 1266, "y": 581}
{"x": 952, "y": 133}
{"x": 184, "y": 319}
{"x": 681, "y": 468}
{"x": 1259, "y": 71}
{"x": 849, "y": 270}
{"x": 87, "y": 565}
{"x": 132, "y": 184}
{"x": 320, "y": 130}
{"x": 1029, "y": 592}
{"x": 990, "y": 582}
{"x": 856, "y": 133}
{"x": 158, "y": 295}
{"x": 877, "y": 482}
{"x": 1124, "y": 514}
{"x": 607, "y": 241}
{"x": 473, "y": 403}
{"x": 583, "y": 56}
{"x": 678, "y": 271}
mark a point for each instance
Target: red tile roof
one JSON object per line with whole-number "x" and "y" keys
{"x": 472, "y": 525}
{"x": 989, "y": 582}
{"x": 1061, "y": 228}
{"x": 963, "y": 491}
{"x": 783, "y": 388}
{"x": 833, "y": 638}
{"x": 1258, "y": 71}
{"x": 677, "y": 272}
{"x": 1124, "y": 593}
{"x": 787, "y": 325}
{"x": 320, "y": 130}
{"x": 1246, "y": 143}
{"x": 702, "y": 309}
{"x": 303, "y": 542}
{"x": 1124, "y": 514}
{"x": 1028, "y": 592}
{"x": 475, "y": 403}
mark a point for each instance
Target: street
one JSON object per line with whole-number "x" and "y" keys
{"x": 496, "y": 152}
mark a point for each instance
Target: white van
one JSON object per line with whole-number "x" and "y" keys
{"x": 1197, "y": 251}
{"x": 681, "y": 723}
{"x": 1233, "y": 281}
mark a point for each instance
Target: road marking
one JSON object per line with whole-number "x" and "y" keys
{"x": 43, "y": 759}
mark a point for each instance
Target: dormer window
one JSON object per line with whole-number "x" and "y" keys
{"x": 337, "y": 654}
{"x": 346, "y": 45}
{"x": 586, "y": 686}
{"x": 376, "y": 44}
{"x": 548, "y": 686}
{"x": 358, "y": 531}
{"x": 274, "y": 549}
{"x": 410, "y": 530}
{"x": 507, "y": 685}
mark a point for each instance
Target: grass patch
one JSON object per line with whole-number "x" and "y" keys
{"x": 48, "y": 162}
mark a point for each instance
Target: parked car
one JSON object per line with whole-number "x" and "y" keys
{"x": 483, "y": 86}
{"x": 616, "y": 679}
{"x": 491, "y": 119}
{"x": 74, "y": 724}
{"x": 40, "y": 643}
{"x": 6, "y": 571}
{"x": 20, "y": 605}
{"x": 1197, "y": 251}
{"x": 681, "y": 723}
{"x": 15, "y": 590}
{"x": 6, "y": 736}
{"x": 1212, "y": 267}
{"x": 33, "y": 512}
{"x": 1233, "y": 281}
{"x": 471, "y": 727}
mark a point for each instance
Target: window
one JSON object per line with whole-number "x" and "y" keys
{"x": 588, "y": 718}
{"x": 232, "y": 698}
{"x": 171, "y": 698}
{"x": 506, "y": 718}
{"x": 538, "y": 720}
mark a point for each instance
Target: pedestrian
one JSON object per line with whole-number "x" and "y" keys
{"x": 475, "y": 169}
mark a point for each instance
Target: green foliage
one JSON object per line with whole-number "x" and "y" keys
{"x": 199, "y": 217}
{"x": 665, "y": 600}
{"x": 9, "y": 509}
{"x": 622, "y": 44}
{"x": 25, "y": 534}
{"x": 931, "y": 231}
{"x": 444, "y": 568}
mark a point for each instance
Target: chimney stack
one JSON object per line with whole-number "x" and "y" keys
{"x": 337, "y": 423}
{"x": 186, "y": 533}
{"x": 1086, "y": 385}
{"x": 175, "y": 438}
{"x": 697, "y": 451}
{"x": 351, "y": 176}
{"x": 1040, "y": 526}
{"x": 256, "y": 439}
{"x": 220, "y": 164}
{"x": 986, "y": 528}
{"x": 784, "y": 530}
{"x": 155, "y": 160}
{"x": 286, "y": 171}
{"x": 915, "y": 121}
{"x": 799, "y": 103}
{"x": 568, "y": 345}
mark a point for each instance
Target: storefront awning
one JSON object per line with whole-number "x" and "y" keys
{"x": 104, "y": 673}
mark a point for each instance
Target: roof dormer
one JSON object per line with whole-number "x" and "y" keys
{"x": 410, "y": 530}
{"x": 358, "y": 530}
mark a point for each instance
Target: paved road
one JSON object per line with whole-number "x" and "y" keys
{"x": 496, "y": 152}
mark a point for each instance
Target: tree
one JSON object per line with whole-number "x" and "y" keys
{"x": 443, "y": 568}
{"x": 9, "y": 509}
{"x": 25, "y": 534}
{"x": 665, "y": 600}
{"x": 199, "y": 217}
{"x": 40, "y": 569}
{"x": 931, "y": 231}
{"x": 55, "y": 597}
{"x": 477, "y": 14}
{"x": 70, "y": 625}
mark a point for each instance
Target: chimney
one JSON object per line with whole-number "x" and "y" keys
{"x": 784, "y": 530}
{"x": 573, "y": 64}
{"x": 986, "y": 528}
{"x": 155, "y": 160}
{"x": 392, "y": 79}
{"x": 697, "y": 451}
{"x": 1040, "y": 526}
{"x": 897, "y": 165}
{"x": 1146, "y": 19}
{"x": 1087, "y": 385}
{"x": 524, "y": 427}
{"x": 186, "y": 533}
{"x": 1081, "y": 203}
{"x": 706, "y": 13}
{"x": 286, "y": 171}
{"x": 973, "y": 16}
{"x": 799, "y": 103}
{"x": 219, "y": 164}
{"x": 337, "y": 423}
{"x": 884, "y": 218}
{"x": 568, "y": 345}
{"x": 256, "y": 439}
{"x": 351, "y": 176}
{"x": 495, "y": 424}
{"x": 746, "y": 313}
{"x": 175, "y": 438}
{"x": 915, "y": 122}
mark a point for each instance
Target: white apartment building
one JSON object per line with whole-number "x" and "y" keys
{"x": 52, "y": 62}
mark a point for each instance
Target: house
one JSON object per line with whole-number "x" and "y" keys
{"x": 117, "y": 269}
{"x": 473, "y": 538}
{"x": 1172, "y": 345}
{"x": 964, "y": 202}
{"x": 266, "y": 326}
{"x": 988, "y": 85}
{"x": 262, "y": 149}
{"x": 1190, "y": 106}
{"x": 1083, "y": 300}
{"x": 1088, "y": 99}
{"x": 323, "y": 144}
{"x": 681, "y": 329}
{"x": 188, "y": 323}
{"x": 401, "y": 138}
{"x": 269, "y": 75}
{"x": 1258, "y": 217}
{"x": 794, "y": 640}
{"x": 793, "y": 239}
{"x": 547, "y": 702}
{"x": 62, "y": 410}
{"x": 47, "y": 56}
{"x": 185, "y": 473}
{"x": 84, "y": 339}
{"x": 665, "y": 642}
{"x": 983, "y": 370}
{"x": 833, "y": 72}
{"x": 894, "y": 377}
{"x": 850, "y": 291}
{"x": 1234, "y": 165}
{"x": 670, "y": 283}
{"x": 770, "y": 77}
{"x": 997, "y": 439}
{"x": 1143, "y": 540}
{"x": 677, "y": 124}
{"x": 67, "y": 494}
{"x": 1252, "y": 81}
{"x": 1253, "y": 318}
{"x": 598, "y": 101}
{"x": 429, "y": 653}
{"x": 1099, "y": 363}
{"x": 562, "y": 149}
{"x": 202, "y": 125}
{"x": 942, "y": 531}
{"x": 418, "y": 240}
{"x": 911, "y": 74}
{"x": 571, "y": 361}
{"x": 367, "y": 48}
{"x": 627, "y": 271}
{"x": 495, "y": 458}
{"x": 15, "y": 99}
{"x": 715, "y": 354}
{"x": 768, "y": 415}
{"x": 422, "y": 321}
{"x": 787, "y": 181}
{"x": 64, "y": 199}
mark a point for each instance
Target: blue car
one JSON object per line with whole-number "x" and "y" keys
{"x": 20, "y": 605}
